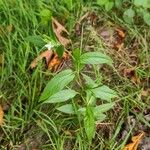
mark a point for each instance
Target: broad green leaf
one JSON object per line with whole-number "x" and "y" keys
{"x": 57, "y": 83}
{"x": 109, "y": 5}
{"x": 89, "y": 123}
{"x": 103, "y": 108}
{"x": 98, "y": 110}
{"x": 146, "y": 3}
{"x": 138, "y": 3}
{"x": 60, "y": 50}
{"x": 104, "y": 92}
{"x": 95, "y": 58}
{"x": 89, "y": 82}
{"x": 61, "y": 96}
{"x": 36, "y": 40}
{"x": 118, "y": 3}
{"x": 100, "y": 117}
{"x": 128, "y": 15}
{"x": 91, "y": 100}
{"x": 146, "y": 18}
{"x": 68, "y": 109}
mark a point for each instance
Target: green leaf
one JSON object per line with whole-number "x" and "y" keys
{"x": 102, "y": 2}
{"x": 91, "y": 100}
{"x": 109, "y": 6}
{"x": 36, "y": 40}
{"x": 69, "y": 4}
{"x": 89, "y": 123}
{"x": 103, "y": 108}
{"x": 89, "y": 82}
{"x": 104, "y": 92}
{"x": 45, "y": 15}
{"x": 68, "y": 109}
{"x": 61, "y": 96}
{"x": 146, "y": 3}
{"x": 60, "y": 50}
{"x": 76, "y": 59}
{"x": 57, "y": 83}
{"x": 100, "y": 117}
{"x": 99, "y": 110}
{"x": 138, "y": 3}
{"x": 146, "y": 18}
{"x": 128, "y": 15}
{"x": 95, "y": 58}
{"x": 118, "y": 3}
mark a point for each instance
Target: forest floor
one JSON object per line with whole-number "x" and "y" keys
{"x": 25, "y": 123}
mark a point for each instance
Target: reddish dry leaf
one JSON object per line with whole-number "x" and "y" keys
{"x": 52, "y": 60}
{"x": 1, "y": 115}
{"x": 119, "y": 38}
{"x": 130, "y": 73}
{"x": 135, "y": 142}
{"x": 58, "y": 30}
{"x": 120, "y": 32}
{"x": 57, "y": 62}
{"x": 46, "y": 54}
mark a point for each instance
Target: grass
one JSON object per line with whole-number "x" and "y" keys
{"x": 29, "y": 125}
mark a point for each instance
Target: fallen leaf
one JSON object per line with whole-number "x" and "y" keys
{"x": 135, "y": 142}
{"x": 130, "y": 73}
{"x": 59, "y": 30}
{"x": 53, "y": 61}
{"x": 1, "y": 115}
{"x": 121, "y": 33}
{"x": 46, "y": 54}
{"x": 56, "y": 63}
{"x": 119, "y": 39}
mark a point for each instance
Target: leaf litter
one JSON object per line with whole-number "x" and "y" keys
{"x": 135, "y": 142}
{"x": 53, "y": 61}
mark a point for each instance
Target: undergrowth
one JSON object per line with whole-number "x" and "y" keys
{"x": 89, "y": 105}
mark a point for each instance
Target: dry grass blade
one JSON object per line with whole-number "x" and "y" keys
{"x": 1, "y": 115}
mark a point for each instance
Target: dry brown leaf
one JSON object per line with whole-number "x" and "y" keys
{"x": 52, "y": 60}
{"x": 119, "y": 39}
{"x": 121, "y": 33}
{"x": 58, "y": 30}
{"x": 1, "y": 115}
{"x": 130, "y": 73}
{"x": 56, "y": 62}
{"x": 135, "y": 142}
{"x": 46, "y": 54}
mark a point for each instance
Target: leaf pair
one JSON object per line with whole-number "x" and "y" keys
{"x": 53, "y": 90}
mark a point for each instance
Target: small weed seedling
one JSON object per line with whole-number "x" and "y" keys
{"x": 56, "y": 92}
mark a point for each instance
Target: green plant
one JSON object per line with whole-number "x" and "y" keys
{"x": 92, "y": 92}
{"x": 132, "y": 11}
